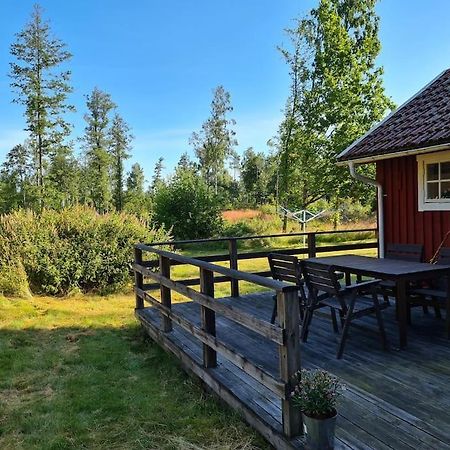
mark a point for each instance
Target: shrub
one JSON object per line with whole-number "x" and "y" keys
{"x": 188, "y": 207}
{"x": 73, "y": 249}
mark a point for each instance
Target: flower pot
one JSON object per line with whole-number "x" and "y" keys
{"x": 319, "y": 432}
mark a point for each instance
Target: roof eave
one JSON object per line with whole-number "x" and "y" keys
{"x": 375, "y": 158}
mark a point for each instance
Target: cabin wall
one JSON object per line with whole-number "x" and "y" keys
{"x": 403, "y": 221}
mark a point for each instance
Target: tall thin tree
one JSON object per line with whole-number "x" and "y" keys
{"x": 42, "y": 87}
{"x": 120, "y": 142}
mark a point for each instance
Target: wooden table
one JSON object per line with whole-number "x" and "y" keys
{"x": 400, "y": 272}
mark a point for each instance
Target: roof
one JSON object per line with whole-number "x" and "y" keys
{"x": 420, "y": 123}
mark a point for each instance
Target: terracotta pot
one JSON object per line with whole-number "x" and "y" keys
{"x": 319, "y": 432}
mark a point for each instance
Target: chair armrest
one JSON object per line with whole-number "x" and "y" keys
{"x": 364, "y": 286}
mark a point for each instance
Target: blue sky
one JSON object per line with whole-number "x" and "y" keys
{"x": 160, "y": 60}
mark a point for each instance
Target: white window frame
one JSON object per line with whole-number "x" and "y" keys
{"x": 441, "y": 204}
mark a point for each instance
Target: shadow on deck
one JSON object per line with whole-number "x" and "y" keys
{"x": 393, "y": 400}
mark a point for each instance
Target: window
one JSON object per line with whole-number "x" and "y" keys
{"x": 434, "y": 181}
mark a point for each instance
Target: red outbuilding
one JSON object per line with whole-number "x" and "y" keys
{"x": 411, "y": 149}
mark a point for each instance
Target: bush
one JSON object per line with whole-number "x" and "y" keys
{"x": 72, "y": 249}
{"x": 188, "y": 207}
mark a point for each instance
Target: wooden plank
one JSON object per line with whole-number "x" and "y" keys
{"x": 289, "y": 357}
{"x": 233, "y": 253}
{"x": 208, "y": 317}
{"x": 262, "y": 327}
{"x": 138, "y": 278}
{"x": 166, "y": 296}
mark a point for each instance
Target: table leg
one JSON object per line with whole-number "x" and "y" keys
{"x": 402, "y": 312}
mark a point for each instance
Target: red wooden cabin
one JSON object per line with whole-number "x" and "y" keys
{"x": 411, "y": 149}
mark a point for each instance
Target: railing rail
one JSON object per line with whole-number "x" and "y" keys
{"x": 233, "y": 256}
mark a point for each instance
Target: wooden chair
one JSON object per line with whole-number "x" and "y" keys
{"x": 287, "y": 268}
{"x": 403, "y": 252}
{"x": 436, "y": 294}
{"x": 320, "y": 278}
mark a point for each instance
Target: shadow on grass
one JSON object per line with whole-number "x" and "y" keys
{"x": 105, "y": 387}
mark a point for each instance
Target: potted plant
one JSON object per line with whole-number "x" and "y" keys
{"x": 315, "y": 394}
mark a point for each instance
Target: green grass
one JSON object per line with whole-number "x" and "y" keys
{"x": 77, "y": 373}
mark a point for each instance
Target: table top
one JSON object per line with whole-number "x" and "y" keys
{"x": 390, "y": 269}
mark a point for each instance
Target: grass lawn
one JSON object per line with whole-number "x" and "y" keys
{"x": 77, "y": 373}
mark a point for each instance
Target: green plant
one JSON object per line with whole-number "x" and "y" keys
{"x": 315, "y": 393}
{"x": 188, "y": 207}
{"x": 73, "y": 249}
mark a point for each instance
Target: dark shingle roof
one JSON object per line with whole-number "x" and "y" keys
{"x": 423, "y": 121}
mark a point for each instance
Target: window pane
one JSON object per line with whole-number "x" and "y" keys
{"x": 432, "y": 191}
{"x": 445, "y": 171}
{"x": 445, "y": 189}
{"x": 432, "y": 171}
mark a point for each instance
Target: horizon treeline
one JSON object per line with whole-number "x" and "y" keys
{"x": 336, "y": 94}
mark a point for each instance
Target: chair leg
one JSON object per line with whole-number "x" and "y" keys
{"x": 334, "y": 320}
{"x": 425, "y": 309}
{"x": 437, "y": 309}
{"x": 386, "y": 299}
{"x": 347, "y": 321}
{"x": 376, "y": 305}
{"x": 306, "y": 324}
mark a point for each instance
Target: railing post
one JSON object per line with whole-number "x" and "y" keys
{"x": 166, "y": 295}
{"x": 289, "y": 319}
{"x": 311, "y": 245}
{"x": 138, "y": 278}
{"x": 208, "y": 317}
{"x": 232, "y": 249}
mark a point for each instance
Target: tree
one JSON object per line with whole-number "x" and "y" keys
{"x": 120, "y": 141}
{"x": 255, "y": 175}
{"x": 336, "y": 95}
{"x": 15, "y": 175}
{"x": 215, "y": 142}
{"x": 96, "y": 142}
{"x": 187, "y": 207}
{"x": 42, "y": 89}
{"x": 62, "y": 189}
{"x": 157, "y": 174}
{"x": 136, "y": 179}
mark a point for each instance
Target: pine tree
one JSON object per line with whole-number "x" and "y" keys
{"x": 43, "y": 89}
{"x": 96, "y": 142}
{"x": 157, "y": 174}
{"x": 120, "y": 141}
{"x": 215, "y": 142}
{"x": 136, "y": 179}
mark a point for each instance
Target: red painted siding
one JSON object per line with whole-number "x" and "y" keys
{"x": 403, "y": 221}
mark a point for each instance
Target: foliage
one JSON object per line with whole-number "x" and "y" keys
{"x": 97, "y": 141}
{"x": 315, "y": 393}
{"x": 336, "y": 95}
{"x": 215, "y": 142}
{"x": 120, "y": 141}
{"x": 187, "y": 207}
{"x": 42, "y": 90}
{"x": 74, "y": 249}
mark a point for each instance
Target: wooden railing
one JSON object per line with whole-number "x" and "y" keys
{"x": 233, "y": 256}
{"x": 285, "y": 334}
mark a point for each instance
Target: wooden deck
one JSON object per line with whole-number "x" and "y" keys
{"x": 393, "y": 400}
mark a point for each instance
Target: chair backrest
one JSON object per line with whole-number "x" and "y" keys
{"x": 405, "y": 252}
{"x": 444, "y": 256}
{"x": 320, "y": 278}
{"x": 285, "y": 268}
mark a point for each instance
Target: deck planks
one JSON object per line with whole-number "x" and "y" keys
{"x": 393, "y": 400}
